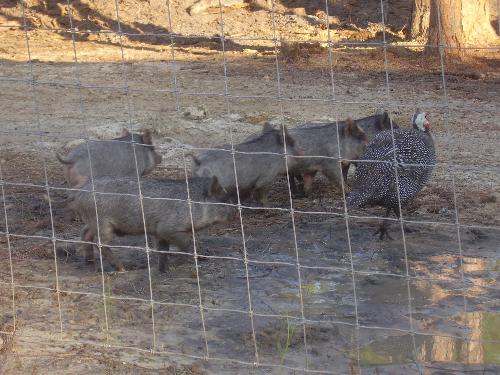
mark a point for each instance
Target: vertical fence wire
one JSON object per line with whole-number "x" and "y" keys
{"x": 91, "y": 177}
{"x": 451, "y": 164}
{"x": 9, "y": 249}
{"x": 44, "y": 165}
{"x": 234, "y": 153}
{"x": 195, "y": 256}
{"x": 342, "y": 185}
{"x": 292, "y": 214}
{"x": 189, "y": 201}
{"x": 173, "y": 65}
{"x": 396, "y": 176}
{"x": 138, "y": 175}
{"x": 240, "y": 212}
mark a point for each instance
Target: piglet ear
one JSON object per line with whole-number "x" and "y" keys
{"x": 195, "y": 159}
{"x": 290, "y": 142}
{"x": 383, "y": 121}
{"x": 147, "y": 138}
{"x": 125, "y": 132}
{"x": 267, "y": 128}
{"x": 353, "y": 130}
{"x": 278, "y": 134}
{"x": 288, "y": 138}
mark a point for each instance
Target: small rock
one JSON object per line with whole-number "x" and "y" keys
{"x": 275, "y": 121}
{"x": 489, "y": 198}
{"x": 321, "y": 14}
{"x": 334, "y": 20}
{"x": 234, "y": 116}
{"x": 371, "y": 280}
{"x": 108, "y": 131}
{"x": 299, "y": 11}
{"x": 195, "y": 113}
{"x": 65, "y": 250}
{"x": 10, "y": 22}
{"x": 249, "y": 51}
{"x": 474, "y": 75}
{"x": 73, "y": 143}
{"x": 477, "y": 234}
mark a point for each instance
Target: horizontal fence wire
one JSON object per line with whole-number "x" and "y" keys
{"x": 196, "y": 37}
{"x": 185, "y": 147}
{"x": 250, "y": 261}
{"x": 246, "y": 312}
{"x": 177, "y": 92}
{"x": 255, "y": 208}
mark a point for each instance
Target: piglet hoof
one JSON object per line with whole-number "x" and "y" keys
{"x": 264, "y": 203}
{"x": 65, "y": 251}
{"x": 162, "y": 262}
{"x": 407, "y": 229}
{"x": 383, "y": 233}
{"x": 298, "y": 195}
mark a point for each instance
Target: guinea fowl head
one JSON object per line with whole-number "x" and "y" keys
{"x": 420, "y": 122}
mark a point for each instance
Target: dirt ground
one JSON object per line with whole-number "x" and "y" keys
{"x": 336, "y": 300}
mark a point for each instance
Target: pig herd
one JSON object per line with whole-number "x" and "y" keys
{"x": 105, "y": 193}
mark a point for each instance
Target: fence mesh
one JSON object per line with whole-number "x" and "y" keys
{"x": 295, "y": 286}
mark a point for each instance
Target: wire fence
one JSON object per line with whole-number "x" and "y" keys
{"x": 305, "y": 361}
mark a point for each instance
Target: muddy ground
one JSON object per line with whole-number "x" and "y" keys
{"x": 320, "y": 303}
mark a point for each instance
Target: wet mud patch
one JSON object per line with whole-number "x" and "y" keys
{"x": 445, "y": 295}
{"x": 443, "y": 290}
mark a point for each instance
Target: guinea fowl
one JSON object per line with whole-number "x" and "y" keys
{"x": 375, "y": 180}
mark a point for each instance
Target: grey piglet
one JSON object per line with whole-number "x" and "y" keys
{"x": 322, "y": 145}
{"x": 259, "y": 162}
{"x": 166, "y": 211}
{"x": 110, "y": 158}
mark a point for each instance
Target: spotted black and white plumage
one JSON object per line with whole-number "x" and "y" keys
{"x": 375, "y": 181}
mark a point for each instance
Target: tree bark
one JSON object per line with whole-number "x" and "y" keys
{"x": 457, "y": 25}
{"x": 446, "y": 27}
{"x": 419, "y": 28}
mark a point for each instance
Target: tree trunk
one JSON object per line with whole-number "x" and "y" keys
{"x": 458, "y": 25}
{"x": 420, "y": 17}
{"x": 447, "y": 14}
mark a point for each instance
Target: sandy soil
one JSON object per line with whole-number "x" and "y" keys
{"x": 103, "y": 322}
